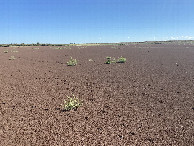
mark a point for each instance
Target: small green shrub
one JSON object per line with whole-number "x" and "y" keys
{"x": 71, "y": 103}
{"x": 108, "y": 61}
{"x": 121, "y": 60}
{"x": 113, "y": 60}
{"x": 12, "y": 58}
{"x": 72, "y": 62}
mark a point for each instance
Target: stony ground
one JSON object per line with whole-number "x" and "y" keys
{"x": 149, "y": 100}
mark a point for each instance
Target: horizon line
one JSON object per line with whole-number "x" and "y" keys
{"x": 98, "y": 42}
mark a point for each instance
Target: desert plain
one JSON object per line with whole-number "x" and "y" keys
{"x": 148, "y": 100}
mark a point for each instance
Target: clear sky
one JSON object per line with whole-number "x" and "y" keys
{"x": 86, "y": 21}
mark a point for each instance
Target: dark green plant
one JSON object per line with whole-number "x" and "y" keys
{"x": 108, "y": 61}
{"x": 72, "y": 62}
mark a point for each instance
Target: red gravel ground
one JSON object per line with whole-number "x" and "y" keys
{"x": 149, "y": 100}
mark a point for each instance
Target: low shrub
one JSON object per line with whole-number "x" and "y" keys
{"x": 72, "y": 62}
{"x": 113, "y": 60}
{"x": 121, "y": 60}
{"x": 71, "y": 103}
{"x": 12, "y": 58}
{"x": 108, "y": 61}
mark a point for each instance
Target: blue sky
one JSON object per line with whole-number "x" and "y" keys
{"x": 87, "y": 21}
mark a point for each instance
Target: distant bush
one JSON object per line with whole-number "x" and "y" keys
{"x": 113, "y": 60}
{"x": 12, "y": 58}
{"x": 5, "y": 45}
{"x": 6, "y": 51}
{"x": 121, "y": 60}
{"x": 72, "y": 62}
{"x": 15, "y": 51}
{"x": 59, "y": 48}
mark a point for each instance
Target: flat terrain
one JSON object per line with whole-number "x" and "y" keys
{"x": 149, "y": 100}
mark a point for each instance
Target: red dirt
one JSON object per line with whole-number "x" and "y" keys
{"x": 146, "y": 101}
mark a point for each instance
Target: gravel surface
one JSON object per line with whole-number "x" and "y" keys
{"x": 149, "y": 100}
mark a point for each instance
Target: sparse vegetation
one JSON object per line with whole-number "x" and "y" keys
{"x": 115, "y": 46}
{"x": 72, "y": 62}
{"x": 59, "y": 48}
{"x": 12, "y": 58}
{"x": 64, "y": 47}
{"x": 113, "y": 60}
{"x": 14, "y": 51}
{"x": 71, "y": 103}
{"x": 108, "y": 61}
{"x": 67, "y": 47}
{"x": 121, "y": 60}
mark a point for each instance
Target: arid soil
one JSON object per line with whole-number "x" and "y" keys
{"x": 149, "y": 100}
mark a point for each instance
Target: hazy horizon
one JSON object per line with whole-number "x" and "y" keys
{"x": 97, "y": 21}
